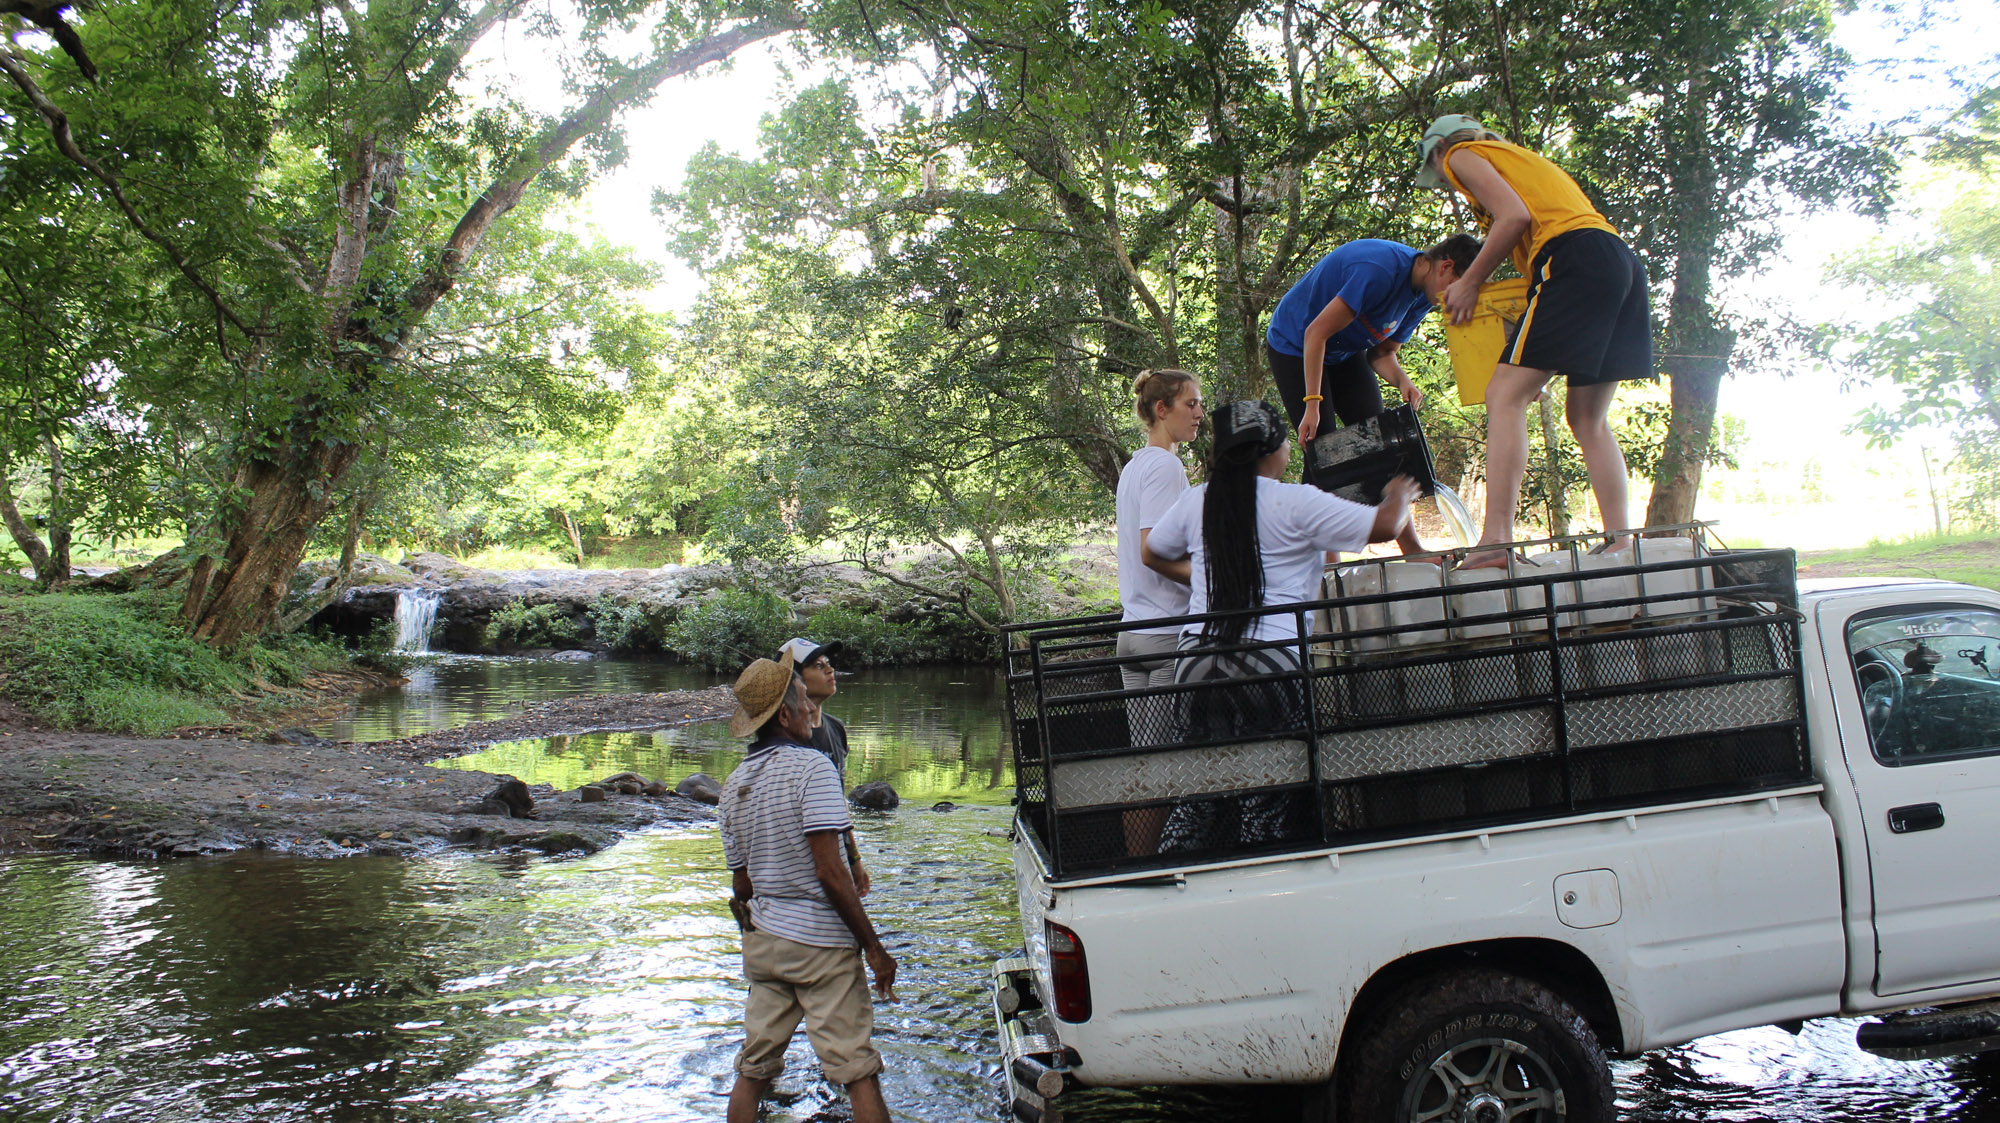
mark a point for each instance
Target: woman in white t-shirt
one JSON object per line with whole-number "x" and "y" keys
{"x": 1169, "y": 406}
{"x": 1251, "y": 541}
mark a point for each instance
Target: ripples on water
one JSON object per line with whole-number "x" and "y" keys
{"x": 606, "y": 989}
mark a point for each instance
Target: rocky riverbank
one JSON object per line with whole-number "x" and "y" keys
{"x": 203, "y": 795}
{"x": 645, "y": 611}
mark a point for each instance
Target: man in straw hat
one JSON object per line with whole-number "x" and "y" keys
{"x": 782, "y": 821}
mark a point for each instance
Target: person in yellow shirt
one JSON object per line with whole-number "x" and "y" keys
{"x": 1587, "y": 316}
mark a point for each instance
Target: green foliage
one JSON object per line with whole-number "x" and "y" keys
{"x": 876, "y": 640}
{"x": 120, "y": 663}
{"x": 1940, "y": 347}
{"x": 522, "y": 625}
{"x": 623, "y": 627}
{"x": 728, "y": 630}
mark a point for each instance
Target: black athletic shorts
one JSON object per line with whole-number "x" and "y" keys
{"x": 1353, "y": 394}
{"x": 1587, "y": 316}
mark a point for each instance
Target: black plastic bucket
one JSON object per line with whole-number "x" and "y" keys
{"x": 1356, "y": 461}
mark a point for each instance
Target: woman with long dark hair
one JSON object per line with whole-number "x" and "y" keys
{"x": 1251, "y": 542}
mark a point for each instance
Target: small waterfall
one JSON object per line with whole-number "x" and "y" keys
{"x": 416, "y": 611}
{"x": 1454, "y": 512}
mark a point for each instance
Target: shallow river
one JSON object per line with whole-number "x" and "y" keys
{"x": 605, "y": 988}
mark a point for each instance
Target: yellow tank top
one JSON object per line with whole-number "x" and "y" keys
{"x": 1556, "y": 205}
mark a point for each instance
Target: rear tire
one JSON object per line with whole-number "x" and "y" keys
{"x": 1475, "y": 1046}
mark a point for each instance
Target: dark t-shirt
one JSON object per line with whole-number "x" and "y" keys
{"x": 831, "y": 739}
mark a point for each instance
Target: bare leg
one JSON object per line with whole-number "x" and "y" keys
{"x": 865, "y": 1097}
{"x": 1507, "y": 400}
{"x": 1589, "y": 413}
{"x": 748, "y": 1093}
{"x": 1407, "y": 539}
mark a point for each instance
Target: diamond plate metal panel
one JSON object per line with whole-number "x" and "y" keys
{"x": 1672, "y": 713}
{"x": 1436, "y": 744}
{"x": 1182, "y": 772}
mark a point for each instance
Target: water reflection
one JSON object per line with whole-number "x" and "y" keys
{"x": 933, "y": 735}
{"x": 606, "y": 989}
{"x": 453, "y": 690}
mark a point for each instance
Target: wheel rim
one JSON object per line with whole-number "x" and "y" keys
{"x": 1488, "y": 1080}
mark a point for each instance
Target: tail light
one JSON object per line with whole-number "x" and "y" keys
{"x": 1069, "y": 973}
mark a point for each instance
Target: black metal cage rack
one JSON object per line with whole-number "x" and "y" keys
{"x": 1415, "y": 699}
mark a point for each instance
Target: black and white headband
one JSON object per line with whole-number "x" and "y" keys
{"x": 1249, "y": 421}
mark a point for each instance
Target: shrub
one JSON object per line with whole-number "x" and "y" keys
{"x": 728, "y": 630}
{"x": 622, "y": 627}
{"x": 521, "y": 624}
{"x": 872, "y": 640}
{"x": 122, "y": 663}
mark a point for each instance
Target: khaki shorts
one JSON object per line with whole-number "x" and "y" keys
{"x": 828, "y": 987}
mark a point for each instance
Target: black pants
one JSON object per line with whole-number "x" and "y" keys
{"x": 1353, "y": 394}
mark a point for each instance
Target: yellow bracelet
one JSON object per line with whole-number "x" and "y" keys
{"x": 1315, "y": 397}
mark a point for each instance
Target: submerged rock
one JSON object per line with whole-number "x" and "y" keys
{"x": 875, "y": 795}
{"x": 944, "y": 805}
{"x": 700, "y": 787}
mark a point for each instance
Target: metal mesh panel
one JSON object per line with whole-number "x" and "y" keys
{"x": 1436, "y": 744}
{"x": 1690, "y": 767}
{"x": 1668, "y": 713}
{"x": 1502, "y": 791}
{"x": 1200, "y": 829}
{"x": 1359, "y": 692}
{"x": 1666, "y": 655}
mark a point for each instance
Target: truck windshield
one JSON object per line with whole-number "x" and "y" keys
{"x": 1928, "y": 683}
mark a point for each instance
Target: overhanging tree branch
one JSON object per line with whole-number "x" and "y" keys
{"x": 507, "y": 188}
{"x": 58, "y": 123}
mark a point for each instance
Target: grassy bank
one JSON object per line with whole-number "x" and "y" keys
{"x": 1971, "y": 558}
{"x": 120, "y": 663}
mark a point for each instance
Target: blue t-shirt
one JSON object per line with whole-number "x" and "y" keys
{"x": 1373, "y": 277}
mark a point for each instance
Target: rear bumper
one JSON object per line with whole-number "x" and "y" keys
{"x": 1032, "y": 1058}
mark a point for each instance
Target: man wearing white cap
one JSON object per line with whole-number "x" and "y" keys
{"x": 782, "y": 819}
{"x": 829, "y": 735}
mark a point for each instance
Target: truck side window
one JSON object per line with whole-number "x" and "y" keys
{"x": 1928, "y": 682}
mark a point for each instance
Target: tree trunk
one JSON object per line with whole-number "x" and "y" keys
{"x": 569, "y": 528}
{"x": 25, "y": 537}
{"x": 1697, "y": 346}
{"x": 60, "y": 518}
{"x": 1697, "y": 354}
{"x": 1552, "y": 477}
{"x": 284, "y": 503}
{"x": 343, "y": 574}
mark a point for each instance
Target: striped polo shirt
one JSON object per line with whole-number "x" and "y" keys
{"x": 778, "y": 795}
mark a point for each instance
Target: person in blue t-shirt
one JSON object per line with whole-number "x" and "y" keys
{"x": 1341, "y": 325}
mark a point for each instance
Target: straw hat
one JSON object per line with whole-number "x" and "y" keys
{"x": 760, "y": 690}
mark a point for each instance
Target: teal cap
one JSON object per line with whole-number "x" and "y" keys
{"x": 1444, "y": 126}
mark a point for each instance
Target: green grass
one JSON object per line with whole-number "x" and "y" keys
{"x": 1973, "y": 559}
{"x": 120, "y": 663}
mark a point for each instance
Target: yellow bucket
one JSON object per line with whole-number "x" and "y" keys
{"x": 1476, "y": 344}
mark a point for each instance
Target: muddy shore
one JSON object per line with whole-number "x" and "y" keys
{"x": 203, "y": 795}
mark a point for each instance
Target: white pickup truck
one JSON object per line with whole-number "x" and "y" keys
{"x": 1613, "y": 806}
